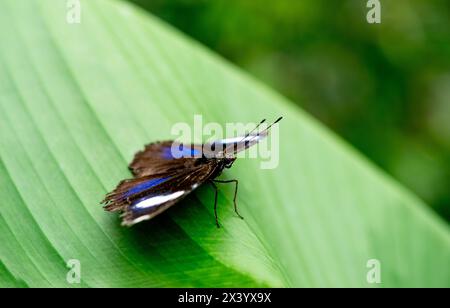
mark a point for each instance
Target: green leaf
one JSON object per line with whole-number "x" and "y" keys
{"x": 78, "y": 100}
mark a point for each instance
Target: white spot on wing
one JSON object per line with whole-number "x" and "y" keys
{"x": 139, "y": 219}
{"x": 145, "y": 204}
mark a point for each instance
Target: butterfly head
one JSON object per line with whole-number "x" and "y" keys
{"x": 225, "y": 159}
{"x": 228, "y": 161}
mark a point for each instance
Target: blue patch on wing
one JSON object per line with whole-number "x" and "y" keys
{"x": 186, "y": 152}
{"x": 144, "y": 186}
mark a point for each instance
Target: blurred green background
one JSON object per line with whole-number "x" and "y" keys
{"x": 385, "y": 87}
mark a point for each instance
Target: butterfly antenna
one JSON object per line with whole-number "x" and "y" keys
{"x": 257, "y": 126}
{"x": 276, "y": 121}
{"x": 259, "y": 133}
{"x": 246, "y": 135}
{"x": 268, "y": 127}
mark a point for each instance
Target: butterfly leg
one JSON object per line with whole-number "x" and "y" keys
{"x": 215, "y": 203}
{"x": 235, "y": 194}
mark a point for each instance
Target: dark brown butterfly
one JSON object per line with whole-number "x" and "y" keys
{"x": 166, "y": 172}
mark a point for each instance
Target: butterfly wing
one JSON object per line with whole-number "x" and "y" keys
{"x": 164, "y": 157}
{"x": 130, "y": 189}
{"x": 145, "y": 197}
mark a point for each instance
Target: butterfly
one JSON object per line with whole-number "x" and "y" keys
{"x": 166, "y": 172}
